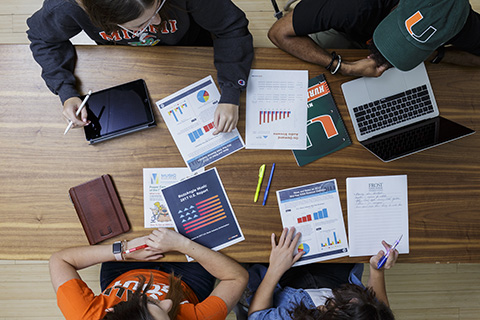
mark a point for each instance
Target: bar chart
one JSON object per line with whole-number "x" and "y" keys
{"x": 272, "y": 116}
{"x": 178, "y": 112}
{"x": 321, "y": 214}
{"x": 196, "y": 134}
{"x": 330, "y": 239}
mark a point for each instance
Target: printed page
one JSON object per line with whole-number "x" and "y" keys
{"x": 188, "y": 115}
{"x": 315, "y": 211}
{"x": 276, "y": 107}
{"x": 154, "y": 180}
{"x": 202, "y": 212}
{"x": 377, "y": 210}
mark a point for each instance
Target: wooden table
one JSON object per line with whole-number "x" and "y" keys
{"x": 38, "y": 164}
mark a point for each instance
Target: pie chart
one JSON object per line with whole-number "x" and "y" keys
{"x": 304, "y": 247}
{"x": 203, "y": 96}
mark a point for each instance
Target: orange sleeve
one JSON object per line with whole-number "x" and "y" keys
{"x": 75, "y": 299}
{"x": 212, "y": 308}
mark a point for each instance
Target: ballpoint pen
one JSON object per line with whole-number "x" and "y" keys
{"x": 143, "y": 246}
{"x": 385, "y": 257}
{"x": 70, "y": 124}
{"x": 261, "y": 172}
{"x": 268, "y": 185}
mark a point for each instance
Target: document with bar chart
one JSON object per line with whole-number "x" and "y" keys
{"x": 188, "y": 115}
{"x": 316, "y": 212}
{"x": 276, "y": 112}
{"x": 202, "y": 212}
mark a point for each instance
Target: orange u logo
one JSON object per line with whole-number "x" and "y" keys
{"x": 425, "y": 35}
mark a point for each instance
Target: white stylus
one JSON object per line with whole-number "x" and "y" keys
{"x": 78, "y": 111}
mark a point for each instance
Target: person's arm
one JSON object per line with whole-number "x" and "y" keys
{"x": 233, "y": 54}
{"x": 282, "y": 34}
{"x": 49, "y": 32}
{"x": 64, "y": 264}
{"x": 233, "y": 277}
{"x": 458, "y": 57}
{"x": 281, "y": 259}
{"x": 376, "y": 280}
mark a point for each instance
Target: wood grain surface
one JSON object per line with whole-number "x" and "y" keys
{"x": 38, "y": 164}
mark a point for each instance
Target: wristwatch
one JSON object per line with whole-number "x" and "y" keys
{"x": 117, "y": 250}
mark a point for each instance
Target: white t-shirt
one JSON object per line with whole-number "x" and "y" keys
{"x": 319, "y": 296}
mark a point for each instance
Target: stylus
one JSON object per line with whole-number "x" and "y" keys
{"x": 78, "y": 111}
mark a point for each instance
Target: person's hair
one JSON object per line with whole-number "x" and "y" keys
{"x": 135, "y": 308}
{"x": 348, "y": 302}
{"x": 377, "y": 55}
{"x": 108, "y": 14}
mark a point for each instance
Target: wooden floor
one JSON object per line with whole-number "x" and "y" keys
{"x": 416, "y": 291}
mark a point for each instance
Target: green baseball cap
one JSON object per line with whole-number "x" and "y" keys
{"x": 412, "y": 31}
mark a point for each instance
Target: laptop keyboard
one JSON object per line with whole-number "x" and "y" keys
{"x": 405, "y": 142}
{"x": 392, "y": 110}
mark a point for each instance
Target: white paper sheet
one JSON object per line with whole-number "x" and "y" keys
{"x": 377, "y": 210}
{"x": 154, "y": 180}
{"x": 276, "y": 110}
{"x": 315, "y": 211}
{"x": 188, "y": 114}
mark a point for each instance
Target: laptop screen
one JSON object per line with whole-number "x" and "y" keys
{"x": 414, "y": 138}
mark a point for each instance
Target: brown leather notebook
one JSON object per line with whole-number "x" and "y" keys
{"x": 99, "y": 209}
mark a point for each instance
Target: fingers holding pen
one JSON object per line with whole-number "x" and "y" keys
{"x": 392, "y": 257}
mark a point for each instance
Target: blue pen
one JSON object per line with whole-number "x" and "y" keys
{"x": 385, "y": 257}
{"x": 268, "y": 185}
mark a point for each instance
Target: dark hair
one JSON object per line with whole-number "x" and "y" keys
{"x": 108, "y": 14}
{"x": 135, "y": 308}
{"x": 348, "y": 302}
{"x": 377, "y": 55}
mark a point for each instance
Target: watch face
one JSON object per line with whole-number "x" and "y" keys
{"x": 117, "y": 247}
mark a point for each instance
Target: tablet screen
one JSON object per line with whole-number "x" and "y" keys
{"x": 118, "y": 110}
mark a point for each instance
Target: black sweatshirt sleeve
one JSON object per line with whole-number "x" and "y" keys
{"x": 233, "y": 44}
{"x": 49, "y": 32}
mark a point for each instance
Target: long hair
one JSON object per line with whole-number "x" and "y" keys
{"x": 349, "y": 302}
{"x": 136, "y": 306}
{"x": 108, "y": 14}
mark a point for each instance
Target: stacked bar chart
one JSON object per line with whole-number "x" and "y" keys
{"x": 177, "y": 112}
{"x": 272, "y": 116}
{"x": 322, "y": 214}
{"x": 196, "y": 134}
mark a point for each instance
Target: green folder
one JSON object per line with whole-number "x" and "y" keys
{"x": 326, "y": 132}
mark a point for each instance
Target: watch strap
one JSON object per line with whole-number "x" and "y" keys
{"x": 117, "y": 249}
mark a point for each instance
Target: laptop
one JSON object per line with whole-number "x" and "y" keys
{"x": 396, "y": 114}
{"x": 119, "y": 110}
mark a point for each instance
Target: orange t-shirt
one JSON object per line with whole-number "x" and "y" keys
{"x": 77, "y": 301}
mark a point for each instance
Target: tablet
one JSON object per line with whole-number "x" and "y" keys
{"x": 119, "y": 110}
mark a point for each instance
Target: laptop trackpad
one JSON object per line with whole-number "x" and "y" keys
{"x": 388, "y": 84}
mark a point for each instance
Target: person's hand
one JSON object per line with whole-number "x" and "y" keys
{"x": 165, "y": 240}
{"x": 70, "y": 108}
{"x": 281, "y": 256}
{"x": 225, "y": 118}
{"x": 364, "y": 68}
{"x": 392, "y": 258}
{"x": 141, "y": 254}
